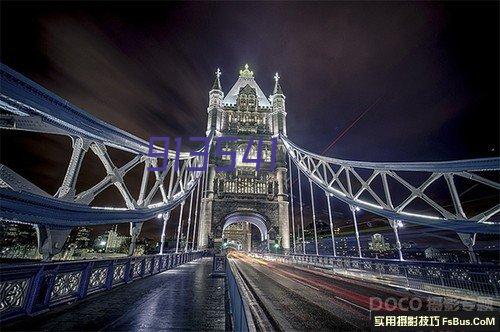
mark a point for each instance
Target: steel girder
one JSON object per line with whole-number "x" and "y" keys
{"x": 336, "y": 177}
{"x": 28, "y": 106}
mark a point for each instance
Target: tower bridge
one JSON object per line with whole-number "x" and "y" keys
{"x": 219, "y": 208}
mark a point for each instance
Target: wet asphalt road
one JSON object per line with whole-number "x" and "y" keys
{"x": 303, "y": 299}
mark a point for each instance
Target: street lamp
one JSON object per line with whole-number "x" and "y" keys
{"x": 395, "y": 224}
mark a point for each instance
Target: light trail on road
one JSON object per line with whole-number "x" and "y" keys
{"x": 298, "y": 298}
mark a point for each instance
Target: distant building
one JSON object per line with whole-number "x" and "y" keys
{"x": 110, "y": 242}
{"x": 378, "y": 244}
{"x": 83, "y": 237}
{"x": 17, "y": 241}
{"x": 19, "y": 234}
{"x": 238, "y": 236}
{"x": 100, "y": 242}
{"x": 432, "y": 253}
{"x": 440, "y": 256}
{"x": 114, "y": 240}
{"x": 341, "y": 245}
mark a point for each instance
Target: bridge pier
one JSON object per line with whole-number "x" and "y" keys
{"x": 135, "y": 230}
{"x": 50, "y": 240}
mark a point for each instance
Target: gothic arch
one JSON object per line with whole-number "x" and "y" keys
{"x": 253, "y": 218}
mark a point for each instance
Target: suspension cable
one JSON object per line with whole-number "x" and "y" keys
{"x": 301, "y": 213}
{"x": 205, "y": 179}
{"x": 167, "y": 216}
{"x": 291, "y": 202}
{"x": 196, "y": 212}
{"x": 353, "y": 210}
{"x": 314, "y": 216}
{"x": 189, "y": 221}
{"x": 331, "y": 223}
{"x": 179, "y": 226}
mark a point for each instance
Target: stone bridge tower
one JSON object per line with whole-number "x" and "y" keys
{"x": 246, "y": 195}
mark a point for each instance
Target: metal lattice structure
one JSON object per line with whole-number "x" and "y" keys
{"x": 386, "y": 189}
{"x": 389, "y": 190}
{"x": 353, "y": 182}
{"x": 29, "y": 107}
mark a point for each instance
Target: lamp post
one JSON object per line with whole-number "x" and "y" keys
{"x": 395, "y": 224}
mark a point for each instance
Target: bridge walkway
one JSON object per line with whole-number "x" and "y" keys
{"x": 184, "y": 298}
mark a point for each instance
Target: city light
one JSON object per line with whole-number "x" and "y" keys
{"x": 357, "y": 209}
{"x": 159, "y": 216}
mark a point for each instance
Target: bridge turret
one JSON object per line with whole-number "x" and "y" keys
{"x": 214, "y": 110}
{"x": 278, "y": 104}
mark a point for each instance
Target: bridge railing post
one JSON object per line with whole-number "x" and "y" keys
{"x": 34, "y": 289}
{"x": 85, "y": 279}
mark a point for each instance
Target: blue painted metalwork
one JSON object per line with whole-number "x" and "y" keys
{"x": 27, "y": 289}
{"x": 31, "y": 107}
{"x": 31, "y": 208}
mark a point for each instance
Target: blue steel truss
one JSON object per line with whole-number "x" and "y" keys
{"x": 28, "y": 106}
{"x": 353, "y": 182}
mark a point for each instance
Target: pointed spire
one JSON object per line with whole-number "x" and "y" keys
{"x": 217, "y": 85}
{"x": 277, "y": 85}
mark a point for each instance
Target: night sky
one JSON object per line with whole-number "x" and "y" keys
{"x": 427, "y": 71}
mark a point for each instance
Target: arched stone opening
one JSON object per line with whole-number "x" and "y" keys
{"x": 237, "y": 229}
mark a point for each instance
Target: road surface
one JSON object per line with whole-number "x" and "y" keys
{"x": 296, "y": 298}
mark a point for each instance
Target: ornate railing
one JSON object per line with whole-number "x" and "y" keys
{"x": 441, "y": 278}
{"x": 27, "y": 289}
